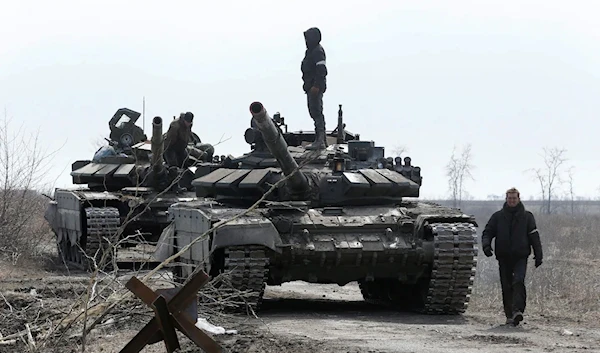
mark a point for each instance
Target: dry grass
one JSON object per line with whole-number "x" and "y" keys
{"x": 25, "y": 236}
{"x": 49, "y": 310}
{"x": 567, "y": 284}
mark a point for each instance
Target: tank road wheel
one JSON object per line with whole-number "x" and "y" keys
{"x": 448, "y": 290}
{"x": 372, "y": 291}
{"x": 245, "y": 268}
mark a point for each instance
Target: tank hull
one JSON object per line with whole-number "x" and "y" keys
{"x": 124, "y": 204}
{"x": 414, "y": 255}
{"x": 89, "y": 226}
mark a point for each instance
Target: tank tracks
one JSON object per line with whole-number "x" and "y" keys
{"x": 247, "y": 271}
{"x": 449, "y": 288}
{"x": 102, "y": 224}
{"x": 453, "y": 271}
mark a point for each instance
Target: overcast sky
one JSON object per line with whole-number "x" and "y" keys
{"x": 507, "y": 77}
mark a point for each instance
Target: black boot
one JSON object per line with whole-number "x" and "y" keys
{"x": 517, "y": 317}
{"x": 320, "y": 137}
{"x": 319, "y": 143}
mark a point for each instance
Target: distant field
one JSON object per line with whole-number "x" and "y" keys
{"x": 484, "y": 207}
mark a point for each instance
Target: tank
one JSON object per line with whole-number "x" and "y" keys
{"x": 122, "y": 204}
{"x": 343, "y": 214}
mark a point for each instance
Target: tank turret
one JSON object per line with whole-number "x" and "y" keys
{"x": 348, "y": 172}
{"x": 123, "y": 131}
{"x": 126, "y": 193}
{"x": 278, "y": 148}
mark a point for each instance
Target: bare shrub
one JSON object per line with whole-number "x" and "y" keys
{"x": 399, "y": 150}
{"x": 550, "y": 177}
{"x": 106, "y": 300}
{"x": 458, "y": 170}
{"x": 23, "y": 168}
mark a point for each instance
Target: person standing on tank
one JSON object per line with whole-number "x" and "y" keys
{"x": 314, "y": 77}
{"x": 516, "y": 233}
{"x": 177, "y": 139}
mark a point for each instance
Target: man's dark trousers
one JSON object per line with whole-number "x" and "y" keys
{"x": 512, "y": 280}
{"x": 175, "y": 158}
{"x": 315, "y": 108}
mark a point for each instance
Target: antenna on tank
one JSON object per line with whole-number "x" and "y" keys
{"x": 144, "y": 114}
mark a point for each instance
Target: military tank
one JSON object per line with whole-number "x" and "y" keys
{"x": 346, "y": 213}
{"x": 128, "y": 191}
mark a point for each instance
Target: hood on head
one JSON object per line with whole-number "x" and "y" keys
{"x": 312, "y": 37}
{"x": 189, "y": 116}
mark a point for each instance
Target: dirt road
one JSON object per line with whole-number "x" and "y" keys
{"x": 300, "y": 317}
{"x": 341, "y": 321}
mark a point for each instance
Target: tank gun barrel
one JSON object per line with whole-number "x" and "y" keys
{"x": 276, "y": 144}
{"x": 157, "y": 145}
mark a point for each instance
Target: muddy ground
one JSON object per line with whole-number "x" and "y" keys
{"x": 297, "y": 317}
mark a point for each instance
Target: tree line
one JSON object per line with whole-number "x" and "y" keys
{"x": 555, "y": 177}
{"x": 552, "y": 177}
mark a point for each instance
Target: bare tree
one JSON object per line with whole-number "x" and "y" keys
{"x": 399, "y": 150}
{"x": 458, "y": 171}
{"x": 452, "y": 171}
{"x": 24, "y": 165}
{"x": 571, "y": 191}
{"x": 549, "y": 176}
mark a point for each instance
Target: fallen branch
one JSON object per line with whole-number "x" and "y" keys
{"x": 30, "y": 340}
{"x": 27, "y": 331}
{"x": 215, "y": 227}
{"x": 84, "y": 309}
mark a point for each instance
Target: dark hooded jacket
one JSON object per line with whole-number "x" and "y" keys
{"x": 177, "y": 136}
{"x": 515, "y": 232}
{"x": 314, "y": 70}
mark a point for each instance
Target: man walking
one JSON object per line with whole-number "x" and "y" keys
{"x": 516, "y": 233}
{"x": 314, "y": 76}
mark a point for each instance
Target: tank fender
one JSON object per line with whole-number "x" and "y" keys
{"x": 249, "y": 230}
{"x": 191, "y": 223}
{"x": 63, "y": 214}
{"x": 56, "y": 220}
{"x": 166, "y": 244}
{"x": 424, "y": 219}
{"x": 51, "y": 215}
